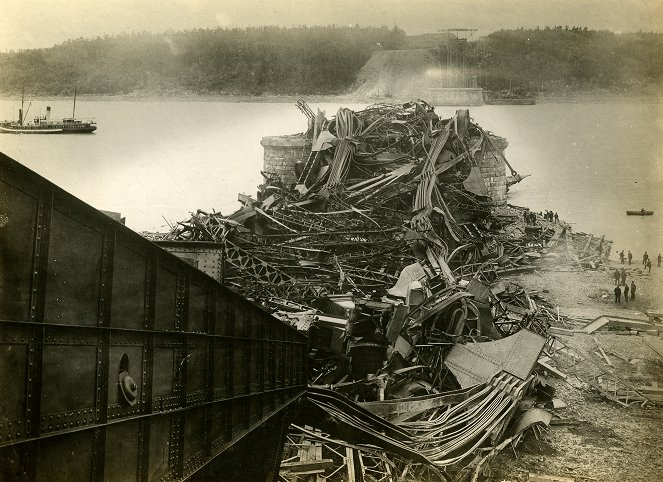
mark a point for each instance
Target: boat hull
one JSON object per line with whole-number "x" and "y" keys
{"x": 55, "y": 129}
{"x": 639, "y": 213}
{"x": 9, "y": 130}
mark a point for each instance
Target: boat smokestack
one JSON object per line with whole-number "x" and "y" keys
{"x": 20, "y": 117}
{"x": 48, "y": 112}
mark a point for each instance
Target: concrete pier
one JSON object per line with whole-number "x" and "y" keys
{"x": 455, "y": 96}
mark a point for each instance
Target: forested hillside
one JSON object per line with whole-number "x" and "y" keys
{"x": 327, "y": 60}
{"x": 567, "y": 58}
{"x": 273, "y": 60}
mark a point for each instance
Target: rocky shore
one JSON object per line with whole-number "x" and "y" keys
{"x": 593, "y": 438}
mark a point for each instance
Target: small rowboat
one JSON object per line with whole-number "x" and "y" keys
{"x": 642, "y": 212}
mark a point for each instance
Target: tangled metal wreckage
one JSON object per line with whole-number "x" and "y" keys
{"x": 388, "y": 252}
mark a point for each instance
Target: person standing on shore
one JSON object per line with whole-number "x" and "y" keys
{"x": 645, "y": 257}
{"x": 621, "y": 256}
{"x": 630, "y": 257}
{"x": 659, "y": 260}
{"x": 556, "y": 218}
{"x": 632, "y": 290}
{"x": 616, "y": 276}
{"x": 625, "y": 293}
{"x": 618, "y": 295}
{"x": 649, "y": 265}
{"x": 622, "y": 277}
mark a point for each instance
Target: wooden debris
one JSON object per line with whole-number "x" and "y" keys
{"x": 544, "y": 362}
{"x": 605, "y": 357}
{"x": 558, "y": 403}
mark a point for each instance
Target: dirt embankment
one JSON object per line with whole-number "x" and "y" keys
{"x": 398, "y": 74}
{"x": 594, "y": 438}
{"x": 589, "y": 294}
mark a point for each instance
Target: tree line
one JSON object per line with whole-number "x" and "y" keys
{"x": 561, "y": 58}
{"x": 324, "y": 60}
{"x": 261, "y": 60}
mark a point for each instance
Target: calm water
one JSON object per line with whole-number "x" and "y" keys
{"x": 156, "y": 160}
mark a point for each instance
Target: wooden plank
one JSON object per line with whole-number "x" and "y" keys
{"x": 564, "y": 421}
{"x": 552, "y": 370}
{"x": 652, "y": 393}
{"x": 613, "y": 398}
{"x": 310, "y": 466}
{"x": 560, "y": 331}
{"x": 350, "y": 464}
{"x": 618, "y": 356}
{"x": 607, "y": 360}
{"x": 650, "y": 389}
{"x": 318, "y": 457}
{"x": 595, "y": 325}
{"x": 558, "y": 403}
{"x": 558, "y": 348}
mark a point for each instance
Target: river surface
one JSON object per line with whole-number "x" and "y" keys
{"x": 157, "y": 161}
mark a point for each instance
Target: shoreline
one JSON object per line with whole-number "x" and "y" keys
{"x": 546, "y": 98}
{"x": 587, "y": 293}
{"x": 586, "y": 414}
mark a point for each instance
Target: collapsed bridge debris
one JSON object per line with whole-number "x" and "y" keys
{"x": 385, "y": 242}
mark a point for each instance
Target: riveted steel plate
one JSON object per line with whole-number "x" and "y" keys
{"x": 196, "y": 371}
{"x": 224, "y": 317}
{"x": 122, "y": 452}
{"x": 74, "y": 272}
{"x": 126, "y": 363}
{"x": 474, "y": 363}
{"x": 195, "y": 435}
{"x": 14, "y": 361}
{"x": 166, "y": 299}
{"x": 198, "y": 308}
{"x": 159, "y": 451}
{"x": 53, "y": 465}
{"x": 18, "y": 237}
{"x": 129, "y": 289}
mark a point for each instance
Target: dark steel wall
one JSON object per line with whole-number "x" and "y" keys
{"x": 78, "y": 292}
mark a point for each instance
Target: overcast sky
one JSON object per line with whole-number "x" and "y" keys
{"x": 44, "y": 23}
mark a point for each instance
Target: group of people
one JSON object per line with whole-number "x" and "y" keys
{"x": 620, "y": 276}
{"x": 620, "y": 280}
{"x": 530, "y": 217}
{"x": 622, "y": 257}
{"x": 550, "y": 216}
{"x": 646, "y": 260}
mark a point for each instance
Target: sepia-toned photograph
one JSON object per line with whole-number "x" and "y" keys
{"x": 352, "y": 241}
